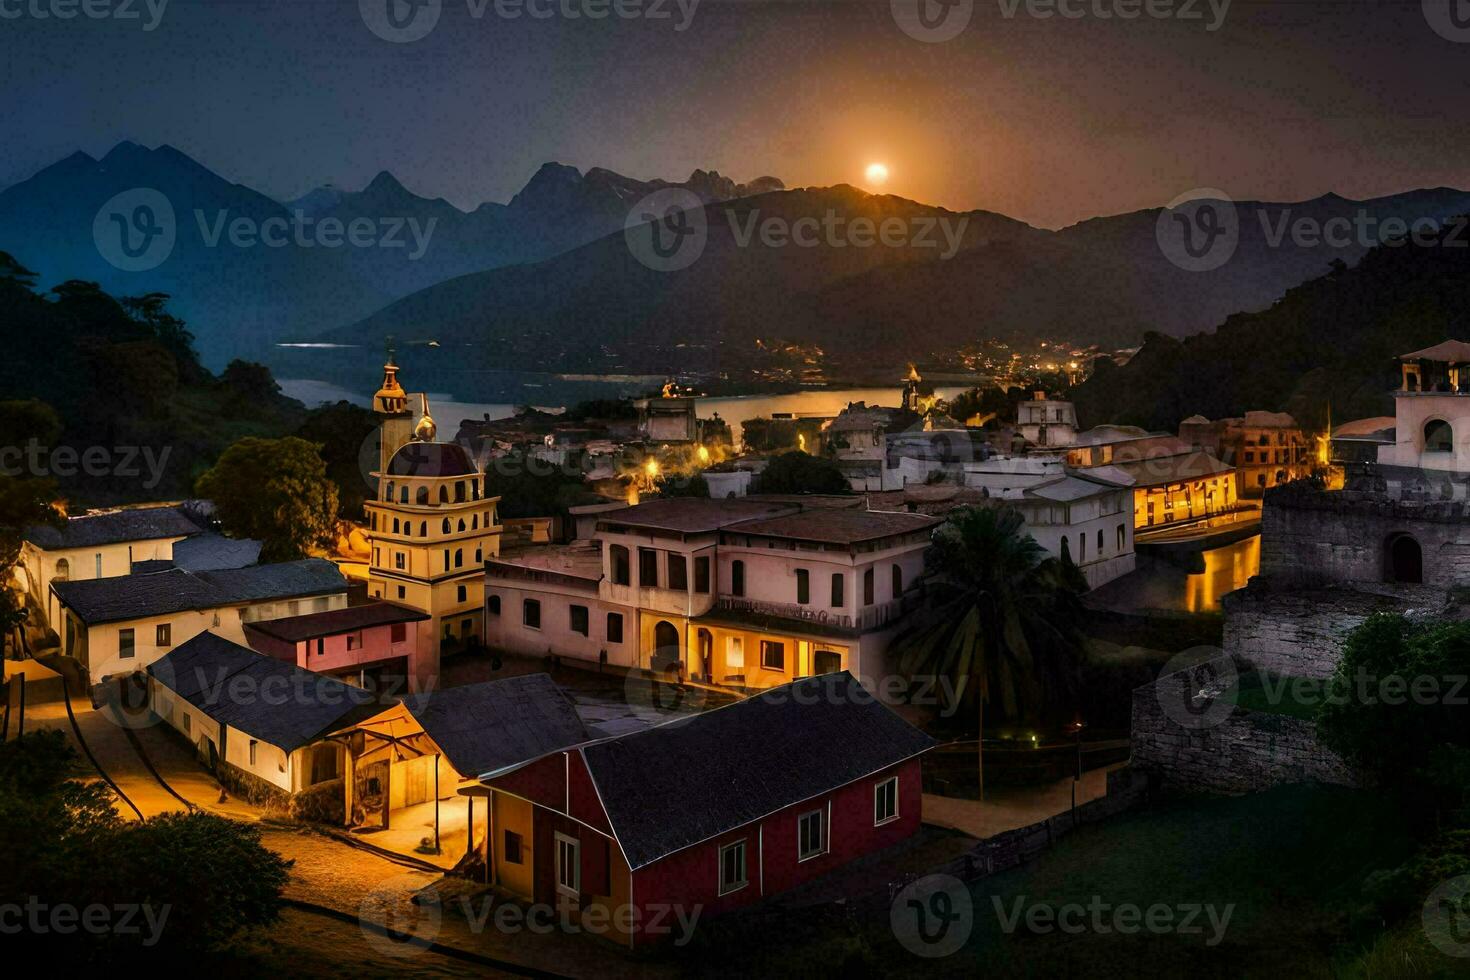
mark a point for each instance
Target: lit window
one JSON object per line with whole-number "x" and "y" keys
{"x": 773, "y": 655}
{"x": 732, "y": 867}
{"x": 164, "y": 635}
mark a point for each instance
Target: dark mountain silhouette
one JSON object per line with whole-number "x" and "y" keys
{"x": 1326, "y": 349}
{"x": 238, "y": 300}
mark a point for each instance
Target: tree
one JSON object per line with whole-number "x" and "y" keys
{"x": 343, "y": 429}
{"x": 201, "y": 877}
{"x": 276, "y": 490}
{"x": 679, "y": 485}
{"x": 1001, "y": 620}
{"x": 1394, "y": 709}
{"x": 798, "y": 472}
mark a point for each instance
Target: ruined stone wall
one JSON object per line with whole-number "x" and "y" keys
{"x": 1299, "y": 632}
{"x": 1240, "y": 752}
{"x": 1317, "y": 538}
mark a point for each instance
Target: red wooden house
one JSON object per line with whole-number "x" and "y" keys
{"x": 708, "y": 813}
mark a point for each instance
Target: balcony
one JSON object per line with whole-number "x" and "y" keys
{"x": 868, "y": 618}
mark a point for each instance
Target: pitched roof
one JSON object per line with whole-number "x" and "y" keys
{"x": 205, "y": 552}
{"x": 1171, "y": 469}
{"x": 122, "y": 597}
{"x": 92, "y": 530}
{"x": 685, "y": 781}
{"x": 309, "y": 626}
{"x": 1380, "y": 425}
{"x": 834, "y": 526}
{"x": 1447, "y": 350}
{"x": 265, "y": 698}
{"x": 485, "y": 727}
{"x": 693, "y": 515}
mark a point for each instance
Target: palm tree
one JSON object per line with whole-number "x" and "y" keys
{"x": 1001, "y": 621}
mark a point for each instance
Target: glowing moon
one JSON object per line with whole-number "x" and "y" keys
{"x": 877, "y": 174}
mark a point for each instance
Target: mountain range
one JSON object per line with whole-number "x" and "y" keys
{"x": 548, "y": 281}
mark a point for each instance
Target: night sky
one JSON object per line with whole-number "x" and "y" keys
{"x": 1050, "y": 121}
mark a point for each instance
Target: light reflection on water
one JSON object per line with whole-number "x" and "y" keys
{"x": 1161, "y": 584}
{"x": 1226, "y": 569}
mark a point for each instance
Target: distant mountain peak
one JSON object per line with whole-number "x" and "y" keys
{"x": 385, "y": 182}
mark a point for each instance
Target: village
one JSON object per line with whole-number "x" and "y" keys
{"x": 736, "y": 688}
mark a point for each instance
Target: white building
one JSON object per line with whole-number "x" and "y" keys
{"x": 1432, "y": 410}
{"x": 1045, "y": 424}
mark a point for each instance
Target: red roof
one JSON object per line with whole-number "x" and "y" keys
{"x": 333, "y": 622}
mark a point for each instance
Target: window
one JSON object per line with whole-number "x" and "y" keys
{"x": 63, "y": 569}
{"x": 678, "y": 573}
{"x": 1122, "y": 535}
{"x": 647, "y": 568}
{"x": 732, "y": 867}
{"x": 253, "y": 744}
{"x": 188, "y": 724}
{"x": 803, "y": 586}
{"x": 897, "y": 581}
{"x": 568, "y": 865}
{"x": 838, "y": 590}
{"x": 461, "y": 593}
{"x": 621, "y": 575}
{"x": 811, "y": 834}
{"x": 354, "y": 641}
{"x": 493, "y": 605}
{"x": 446, "y": 559}
{"x": 397, "y": 633}
{"x": 398, "y": 561}
{"x": 163, "y": 635}
{"x": 615, "y": 627}
{"x": 868, "y": 587}
{"x": 98, "y": 562}
{"x": 1438, "y": 436}
{"x": 402, "y": 591}
{"x": 513, "y": 848}
{"x": 701, "y": 574}
{"x": 458, "y": 557}
{"x": 579, "y": 619}
{"x": 466, "y": 628}
{"x": 125, "y": 648}
{"x": 773, "y": 655}
{"x": 531, "y": 613}
{"x": 885, "y": 801}
{"x": 1082, "y": 547}
{"x": 826, "y": 662}
{"x": 321, "y": 646}
{"x": 737, "y": 577}
{"x": 1099, "y": 542}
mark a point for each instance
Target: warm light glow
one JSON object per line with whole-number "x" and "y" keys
{"x": 651, "y": 467}
{"x": 876, "y": 174}
{"x": 703, "y": 454}
{"x": 801, "y": 442}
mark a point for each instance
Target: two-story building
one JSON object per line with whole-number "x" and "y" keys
{"x": 1046, "y": 424}
{"x": 748, "y": 592}
{"x": 375, "y": 645}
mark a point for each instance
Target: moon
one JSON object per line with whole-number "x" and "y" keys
{"x": 877, "y": 174}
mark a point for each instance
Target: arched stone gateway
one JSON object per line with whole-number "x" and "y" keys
{"x": 666, "y": 646}
{"x": 1404, "y": 559}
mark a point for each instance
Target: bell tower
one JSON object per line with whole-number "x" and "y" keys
{"x": 395, "y": 420}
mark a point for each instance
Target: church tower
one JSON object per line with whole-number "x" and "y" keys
{"x": 432, "y": 528}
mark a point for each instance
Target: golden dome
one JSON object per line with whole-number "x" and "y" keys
{"x": 426, "y": 429}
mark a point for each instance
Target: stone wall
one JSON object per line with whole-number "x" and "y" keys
{"x": 1311, "y": 537}
{"x": 1237, "y": 752}
{"x": 1299, "y": 632}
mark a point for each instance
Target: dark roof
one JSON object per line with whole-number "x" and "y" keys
{"x": 150, "y": 565}
{"x": 694, "y": 515}
{"x": 431, "y": 459}
{"x": 89, "y": 531}
{"x": 309, "y": 626}
{"x": 836, "y": 526}
{"x": 109, "y": 600}
{"x": 266, "y": 699}
{"x": 209, "y": 551}
{"x": 485, "y": 727}
{"x": 683, "y": 782}
{"x": 1171, "y": 469}
{"x": 1456, "y": 351}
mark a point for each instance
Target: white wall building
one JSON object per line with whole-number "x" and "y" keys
{"x": 1432, "y": 410}
{"x": 1044, "y": 423}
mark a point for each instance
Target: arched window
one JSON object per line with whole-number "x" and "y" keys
{"x": 459, "y": 491}
{"x": 461, "y": 523}
{"x": 1438, "y": 436}
{"x": 443, "y": 495}
{"x": 475, "y": 521}
{"x": 423, "y": 529}
{"x": 458, "y": 557}
{"x": 447, "y": 528}
{"x": 63, "y": 570}
{"x": 493, "y": 604}
{"x": 403, "y": 494}
{"x": 422, "y": 496}
{"x": 388, "y": 494}
{"x": 397, "y": 529}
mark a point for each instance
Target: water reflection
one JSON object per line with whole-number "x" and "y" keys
{"x": 1170, "y": 584}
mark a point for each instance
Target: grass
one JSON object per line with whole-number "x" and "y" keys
{"x": 1293, "y": 697}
